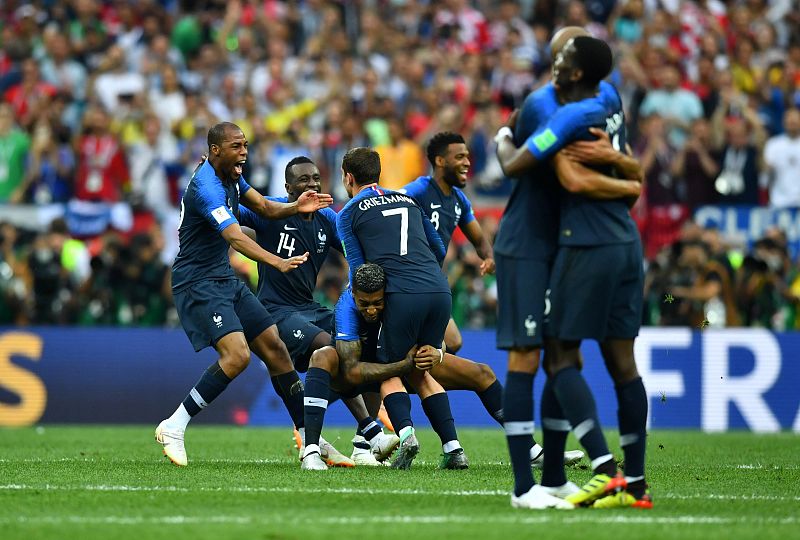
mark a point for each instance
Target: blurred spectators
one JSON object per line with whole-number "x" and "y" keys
{"x": 109, "y": 103}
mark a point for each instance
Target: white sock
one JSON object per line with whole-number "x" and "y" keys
{"x": 302, "y": 432}
{"x": 451, "y": 446}
{"x": 310, "y": 449}
{"x": 180, "y": 418}
{"x": 536, "y": 449}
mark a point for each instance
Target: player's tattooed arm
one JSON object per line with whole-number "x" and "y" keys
{"x": 357, "y": 372}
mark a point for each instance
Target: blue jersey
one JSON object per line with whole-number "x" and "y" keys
{"x": 529, "y": 226}
{"x": 207, "y": 208}
{"x": 351, "y": 326}
{"x": 446, "y": 212}
{"x": 585, "y": 221}
{"x": 287, "y": 238}
{"x": 389, "y": 229}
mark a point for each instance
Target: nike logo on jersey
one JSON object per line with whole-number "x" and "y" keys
{"x": 435, "y": 206}
{"x": 287, "y": 228}
{"x": 340, "y": 334}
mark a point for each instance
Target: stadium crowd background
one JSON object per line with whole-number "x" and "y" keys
{"x": 106, "y": 106}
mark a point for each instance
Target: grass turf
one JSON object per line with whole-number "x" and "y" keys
{"x": 112, "y": 482}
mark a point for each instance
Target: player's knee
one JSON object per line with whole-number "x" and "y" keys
{"x": 453, "y": 343}
{"x": 485, "y": 375}
{"x": 326, "y": 359}
{"x": 236, "y": 359}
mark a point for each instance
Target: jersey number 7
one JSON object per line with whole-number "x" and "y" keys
{"x": 403, "y": 213}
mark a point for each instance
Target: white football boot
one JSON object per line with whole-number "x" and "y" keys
{"x": 562, "y": 492}
{"x": 312, "y": 461}
{"x": 332, "y": 456}
{"x": 537, "y": 498}
{"x": 172, "y": 441}
{"x": 383, "y": 444}
{"x": 362, "y": 453}
{"x": 571, "y": 457}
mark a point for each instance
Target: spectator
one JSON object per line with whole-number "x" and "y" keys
{"x": 402, "y": 160}
{"x": 782, "y": 157}
{"x": 740, "y": 163}
{"x": 677, "y": 106}
{"x": 696, "y": 166}
{"x": 14, "y": 146}
{"x": 102, "y": 172}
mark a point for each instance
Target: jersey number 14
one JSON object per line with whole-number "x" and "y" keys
{"x": 283, "y": 243}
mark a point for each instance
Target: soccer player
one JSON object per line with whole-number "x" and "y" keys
{"x": 215, "y": 307}
{"x": 391, "y": 230}
{"x": 441, "y": 197}
{"x": 358, "y": 318}
{"x": 303, "y": 324}
{"x": 588, "y": 230}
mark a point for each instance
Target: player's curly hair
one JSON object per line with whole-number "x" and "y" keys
{"x": 369, "y": 278}
{"x": 438, "y": 144}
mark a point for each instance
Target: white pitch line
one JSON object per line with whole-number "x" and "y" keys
{"x": 357, "y": 491}
{"x": 520, "y": 518}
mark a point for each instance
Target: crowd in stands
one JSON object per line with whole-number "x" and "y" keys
{"x": 107, "y": 104}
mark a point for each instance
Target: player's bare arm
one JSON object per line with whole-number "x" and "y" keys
{"x": 309, "y": 201}
{"x": 238, "y": 240}
{"x": 601, "y": 152}
{"x": 474, "y": 234}
{"x": 577, "y": 178}
{"x": 514, "y": 161}
{"x": 357, "y": 372}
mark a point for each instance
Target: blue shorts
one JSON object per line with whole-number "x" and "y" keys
{"x": 299, "y": 326}
{"x": 412, "y": 319}
{"x": 521, "y": 292}
{"x": 597, "y": 292}
{"x": 210, "y": 310}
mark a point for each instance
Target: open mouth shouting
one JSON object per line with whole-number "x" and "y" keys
{"x": 238, "y": 168}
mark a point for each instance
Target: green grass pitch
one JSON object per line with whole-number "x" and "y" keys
{"x": 112, "y": 482}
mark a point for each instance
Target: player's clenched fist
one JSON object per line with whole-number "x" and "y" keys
{"x": 311, "y": 201}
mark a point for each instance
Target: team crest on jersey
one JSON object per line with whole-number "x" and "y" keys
{"x": 298, "y": 334}
{"x": 217, "y": 318}
{"x": 323, "y": 239}
{"x": 458, "y": 212}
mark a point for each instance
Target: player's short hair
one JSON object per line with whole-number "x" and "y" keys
{"x": 369, "y": 278}
{"x": 216, "y": 135}
{"x": 363, "y": 163}
{"x": 438, "y": 144}
{"x": 295, "y": 161}
{"x": 593, "y": 56}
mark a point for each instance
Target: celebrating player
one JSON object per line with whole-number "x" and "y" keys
{"x": 303, "y": 324}
{"x": 603, "y": 221}
{"x": 391, "y": 230}
{"x": 216, "y": 308}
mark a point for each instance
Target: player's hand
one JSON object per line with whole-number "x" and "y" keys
{"x": 428, "y": 357}
{"x": 596, "y": 152}
{"x": 311, "y": 201}
{"x": 487, "y": 266}
{"x": 287, "y": 265}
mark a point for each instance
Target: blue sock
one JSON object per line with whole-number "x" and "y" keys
{"x": 555, "y": 428}
{"x": 492, "y": 399}
{"x": 579, "y": 408}
{"x": 437, "y": 409}
{"x": 368, "y": 428}
{"x": 632, "y": 415}
{"x": 518, "y": 409}
{"x": 398, "y": 407}
{"x": 290, "y": 389}
{"x": 318, "y": 382}
{"x": 211, "y": 384}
